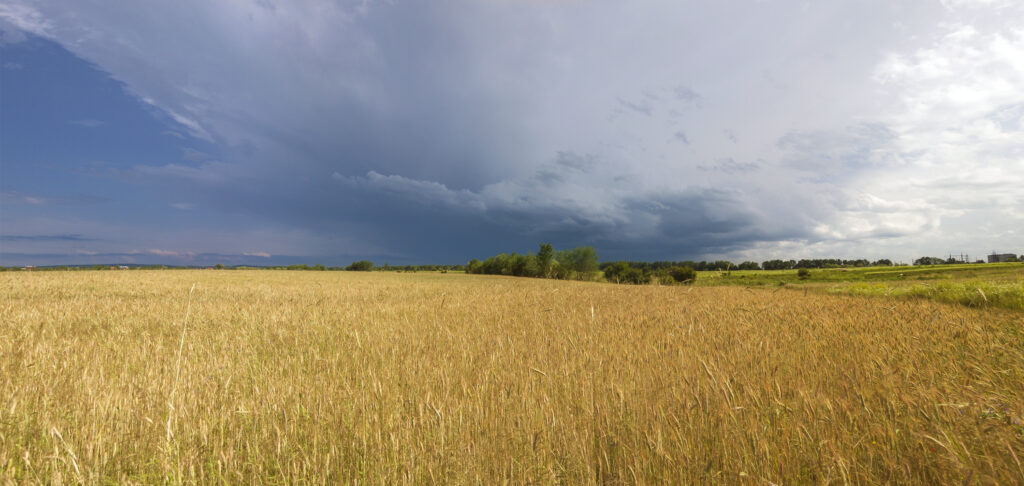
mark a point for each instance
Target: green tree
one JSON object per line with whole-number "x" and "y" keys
{"x": 545, "y": 258}
{"x": 563, "y": 266}
{"x": 517, "y": 265}
{"x": 584, "y": 262}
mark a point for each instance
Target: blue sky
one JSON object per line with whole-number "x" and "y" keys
{"x": 267, "y": 132}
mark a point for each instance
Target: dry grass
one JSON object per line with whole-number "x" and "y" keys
{"x": 326, "y": 377}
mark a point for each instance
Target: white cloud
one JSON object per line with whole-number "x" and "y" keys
{"x": 169, "y": 253}
{"x": 957, "y": 109}
{"x": 17, "y": 18}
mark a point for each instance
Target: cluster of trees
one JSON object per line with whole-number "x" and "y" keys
{"x": 360, "y": 266}
{"x": 623, "y": 272}
{"x": 579, "y": 263}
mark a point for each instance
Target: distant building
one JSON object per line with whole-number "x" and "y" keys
{"x": 1002, "y": 257}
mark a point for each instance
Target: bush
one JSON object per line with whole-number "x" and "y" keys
{"x": 360, "y": 266}
{"x": 621, "y": 272}
{"x": 615, "y": 271}
{"x": 803, "y": 273}
{"x": 684, "y": 275}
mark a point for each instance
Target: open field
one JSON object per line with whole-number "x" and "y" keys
{"x": 327, "y": 377}
{"x": 974, "y": 285}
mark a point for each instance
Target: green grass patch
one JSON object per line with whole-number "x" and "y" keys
{"x": 978, "y": 293}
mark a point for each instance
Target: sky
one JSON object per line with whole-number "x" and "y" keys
{"x": 267, "y": 132}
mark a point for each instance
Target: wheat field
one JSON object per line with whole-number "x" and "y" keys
{"x": 380, "y": 378}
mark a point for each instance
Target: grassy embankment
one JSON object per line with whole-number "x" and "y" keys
{"x": 327, "y": 377}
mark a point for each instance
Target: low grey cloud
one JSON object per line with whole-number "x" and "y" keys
{"x": 31, "y": 238}
{"x": 840, "y": 153}
{"x": 730, "y": 166}
{"x": 687, "y": 95}
{"x": 639, "y": 107}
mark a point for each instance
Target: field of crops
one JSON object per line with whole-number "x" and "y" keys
{"x": 328, "y": 377}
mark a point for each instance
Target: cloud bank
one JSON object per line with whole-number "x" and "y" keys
{"x": 447, "y": 130}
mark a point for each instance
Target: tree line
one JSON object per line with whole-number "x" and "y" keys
{"x": 823, "y": 263}
{"x": 579, "y": 263}
{"x": 954, "y": 261}
{"x": 726, "y": 265}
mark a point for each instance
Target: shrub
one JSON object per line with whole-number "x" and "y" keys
{"x": 360, "y": 266}
{"x": 621, "y": 272}
{"x": 803, "y": 273}
{"x": 615, "y": 271}
{"x": 684, "y": 275}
